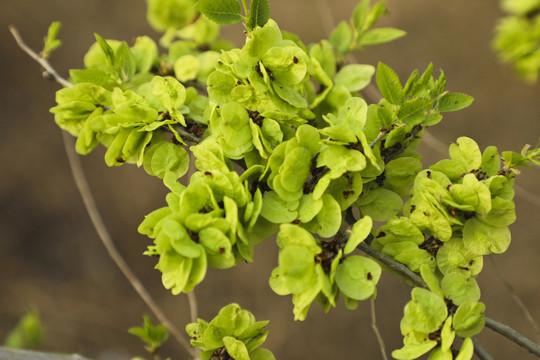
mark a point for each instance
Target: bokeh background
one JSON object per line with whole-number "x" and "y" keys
{"x": 50, "y": 255}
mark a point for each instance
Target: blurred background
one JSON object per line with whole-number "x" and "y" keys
{"x": 51, "y": 257}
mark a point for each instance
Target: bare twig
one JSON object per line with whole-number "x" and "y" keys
{"x": 193, "y": 308}
{"x": 95, "y": 216}
{"x": 518, "y": 301}
{"x": 44, "y": 63}
{"x": 99, "y": 225}
{"x": 513, "y": 335}
{"x": 398, "y": 268}
{"x": 376, "y": 330}
{"x": 377, "y": 139}
{"x": 480, "y": 351}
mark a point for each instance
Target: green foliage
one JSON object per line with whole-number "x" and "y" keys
{"x": 313, "y": 162}
{"x": 232, "y": 334}
{"x": 517, "y": 38}
{"x": 27, "y": 334}
{"x": 153, "y": 336}
{"x": 51, "y": 41}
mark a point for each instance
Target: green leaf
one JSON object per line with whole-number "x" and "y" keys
{"x": 223, "y": 12}
{"x": 359, "y": 232}
{"x": 357, "y": 277}
{"x": 153, "y": 336}
{"x": 389, "y": 84}
{"x": 359, "y": 14}
{"x": 355, "y": 77}
{"x": 166, "y": 157}
{"x": 124, "y": 62}
{"x": 259, "y": 13}
{"x": 106, "y": 48}
{"x": 170, "y": 14}
{"x": 483, "y": 239}
{"x": 460, "y": 288}
{"x": 413, "y": 351}
{"x": 235, "y": 348}
{"x": 426, "y": 311}
{"x": 385, "y": 205}
{"x": 51, "y": 41}
{"x": 261, "y": 354}
{"x": 27, "y": 334}
{"x": 454, "y": 102}
{"x": 277, "y": 210}
{"x": 381, "y": 36}
{"x": 341, "y": 38}
{"x": 467, "y": 152}
{"x": 469, "y": 319}
{"x": 466, "y": 351}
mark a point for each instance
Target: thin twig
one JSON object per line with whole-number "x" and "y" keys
{"x": 44, "y": 63}
{"x": 93, "y": 212}
{"x": 398, "y": 268}
{"x": 99, "y": 225}
{"x": 377, "y": 139}
{"x": 518, "y": 300}
{"x": 376, "y": 330}
{"x": 193, "y": 307}
{"x": 513, "y": 335}
{"x": 480, "y": 351}
{"x": 405, "y": 273}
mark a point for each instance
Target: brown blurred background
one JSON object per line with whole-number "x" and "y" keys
{"x": 52, "y": 259}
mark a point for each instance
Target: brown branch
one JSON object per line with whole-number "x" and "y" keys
{"x": 95, "y": 216}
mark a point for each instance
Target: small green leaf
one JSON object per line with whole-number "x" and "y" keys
{"x": 223, "y": 12}
{"x": 454, "y": 102}
{"x": 360, "y": 231}
{"x": 381, "y": 36}
{"x": 469, "y": 319}
{"x": 106, "y": 48}
{"x": 355, "y": 77}
{"x": 236, "y": 348}
{"x": 153, "y": 336}
{"x": 426, "y": 311}
{"x": 467, "y": 152}
{"x": 259, "y": 13}
{"x": 51, "y": 41}
{"x": 357, "y": 277}
{"x": 342, "y": 37}
{"x": 460, "y": 288}
{"x": 28, "y": 334}
{"x": 389, "y": 84}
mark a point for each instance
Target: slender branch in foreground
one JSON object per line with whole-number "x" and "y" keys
{"x": 376, "y": 330}
{"x": 95, "y": 216}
